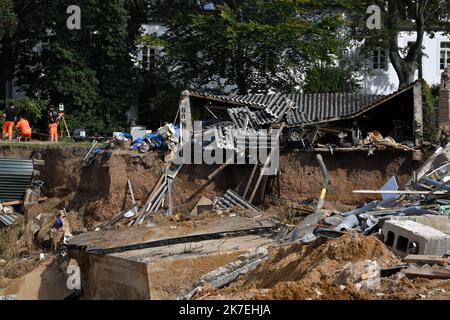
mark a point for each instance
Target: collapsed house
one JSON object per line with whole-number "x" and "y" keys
{"x": 142, "y": 265}
{"x": 318, "y": 122}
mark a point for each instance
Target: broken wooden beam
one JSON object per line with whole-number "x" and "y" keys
{"x": 247, "y": 188}
{"x": 19, "y": 202}
{"x": 427, "y": 259}
{"x": 428, "y": 273}
{"x": 221, "y": 168}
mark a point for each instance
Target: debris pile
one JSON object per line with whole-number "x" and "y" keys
{"x": 171, "y": 234}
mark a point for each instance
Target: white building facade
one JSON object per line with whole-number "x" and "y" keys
{"x": 382, "y": 78}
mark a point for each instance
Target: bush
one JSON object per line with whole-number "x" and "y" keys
{"x": 330, "y": 79}
{"x": 32, "y": 109}
{"x": 431, "y": 100}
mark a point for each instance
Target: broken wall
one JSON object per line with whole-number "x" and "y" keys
{"x": 99, "y": 192}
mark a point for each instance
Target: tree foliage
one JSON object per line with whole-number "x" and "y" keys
{"x": 431, "y": 101}
{"x": 330, "y": 79}
{"x": 8, "y": 19}
{"x": 249, "y": 46}
{"x": 90, "y": 70}
{"x": 32, "y": 109}
{"x": 420, "y": 16}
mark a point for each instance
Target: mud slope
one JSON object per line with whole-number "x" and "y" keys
{"x": 100, "y": 191}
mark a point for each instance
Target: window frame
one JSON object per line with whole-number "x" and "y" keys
{"x": 446, "y": 51}
{"x": 381, "y": 66}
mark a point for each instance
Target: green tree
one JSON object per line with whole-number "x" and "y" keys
{"x": 31, "y": 109}
{"x": 8, "y": 19}
{"x": 89, "y": 70}
{"x": 421, "y": 16}
{"x": 329, "y": 79}
{"x": 431, "y": 101}
{"x": 252, "y": 45}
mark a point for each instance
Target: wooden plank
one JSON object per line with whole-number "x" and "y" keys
{"x": 19, "y": 202}
{"x": 263, "y": 187}
{"x": 221, "y": 168}
{"x": 266, "y": 164}
{"x": 279, "y": 183}
{"x": 250, "y": 180}
{"x": 150, "y": 198}
{"x": 426, "y": 259}
{"x": 428, "y": 273}
{"x": 258, "y": 182}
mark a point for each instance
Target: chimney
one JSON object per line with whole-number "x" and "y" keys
{"x": 444, "y": 98}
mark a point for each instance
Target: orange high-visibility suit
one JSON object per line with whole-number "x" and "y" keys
{"x": 8, "y": 126}
{"x": 25, "y": 130}
{"x": 10, "y": 118}
{"x": 53, "y": 131}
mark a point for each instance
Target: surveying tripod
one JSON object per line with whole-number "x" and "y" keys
{"x": 63, "y": 121}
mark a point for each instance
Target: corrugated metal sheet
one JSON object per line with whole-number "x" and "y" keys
{"x": 15, "y": 177}
{"x": 278, "y": 106}
{"x": 262, "y": 118}
{"x": 243, "y": 118}
{"x": 8, "y": 219}
{"x": 232, "y": 200}
{"x": 224, "y": 135}
{"x": 250, "y": 100}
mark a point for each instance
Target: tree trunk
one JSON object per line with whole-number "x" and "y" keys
{"x": 405, "y": 69}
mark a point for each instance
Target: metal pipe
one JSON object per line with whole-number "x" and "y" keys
{"x": 240, "y": 200}
{"x": 90, "y": 150}
{"x": 169, "y": 195}
{"x": 325, "y": 184}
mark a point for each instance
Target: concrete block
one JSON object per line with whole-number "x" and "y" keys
{"x": 202, "y": 205}
{"x": 406, "y": 237}
{"x": 438, "y": 222}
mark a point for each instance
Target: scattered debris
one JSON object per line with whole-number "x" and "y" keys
{"x": 307, "y": 250}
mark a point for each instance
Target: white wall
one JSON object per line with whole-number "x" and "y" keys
{"x": 150, "y": 29}
{"x": 385, "y": 82}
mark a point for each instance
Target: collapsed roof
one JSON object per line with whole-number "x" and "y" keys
{"x": 297, "y": 109}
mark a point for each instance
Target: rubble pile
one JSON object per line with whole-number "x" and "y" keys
{"x": 125, "y": 210}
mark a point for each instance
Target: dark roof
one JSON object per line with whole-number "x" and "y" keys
{"x": 299, "y": 109}
{"x": 318, "y": 107}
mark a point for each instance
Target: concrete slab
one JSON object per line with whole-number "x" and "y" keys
{"x": 158, "y": 273}
{"x": 135, "y": 236}
{"x": 164, "y": 261}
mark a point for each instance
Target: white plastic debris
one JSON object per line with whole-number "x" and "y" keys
{"x": 362, "y": 274}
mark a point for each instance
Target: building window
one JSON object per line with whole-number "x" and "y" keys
{"x": 379, "y": 59}
{"x": 445, "y": 55}
{"x": 150, "y": 56}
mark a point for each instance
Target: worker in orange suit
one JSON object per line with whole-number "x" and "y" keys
{"x": 53, "y": 119}
{"x": 24, "y": 129}
{"x": 10, "y": 118}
